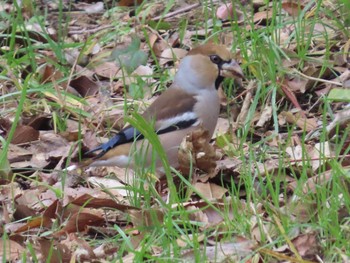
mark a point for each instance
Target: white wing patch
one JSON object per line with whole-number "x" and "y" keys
{"x": 186, "y": 116}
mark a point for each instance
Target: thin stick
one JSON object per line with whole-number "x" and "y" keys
{"x": 179, "y": 11}
{"x": 317, "y": 79}
{"x": 91, "y": 31}
{"x": 320, "y": 158}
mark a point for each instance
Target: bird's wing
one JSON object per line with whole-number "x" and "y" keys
{"x": 128, "y": 134}
{"x": 167, "y": 115}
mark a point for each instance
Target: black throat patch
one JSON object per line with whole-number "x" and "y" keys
{"x": 218, "y": 80}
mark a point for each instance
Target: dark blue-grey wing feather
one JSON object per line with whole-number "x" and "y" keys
{"x": 129, "y": 134}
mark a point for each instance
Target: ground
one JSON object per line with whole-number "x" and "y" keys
{"x": 272, "y": 185}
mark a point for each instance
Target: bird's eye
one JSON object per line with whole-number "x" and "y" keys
{"x": 215, "y": 59}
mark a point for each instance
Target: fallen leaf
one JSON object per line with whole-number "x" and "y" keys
{"x": 10, "y": 251}
{"x": 109, "y": 70}
{"x": 236, "y": 251}
{"x": 195, "y": 149}
{"x": 54, "y": 250}
{"x": 147, "y": 217}
{"x": 265, "y": 116}
{"x": 308, "y": 246}
{"x": 84, "y": 86}
{"x": 37, "y": 222}
{"x": 300, "y": 120}
{"x": 24, "y": 134}
{"x": 79, "y": 222}
{"x": 171, "y": 55}
{"x": 210, "y": 191}
{"x": 129, "y": 2}
{"x": 293, "y": 8}
{"x": 225, "y": 12}
{"x": 87, "y": 200}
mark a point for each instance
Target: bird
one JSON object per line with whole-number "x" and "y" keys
{"x": 192, "y": 101}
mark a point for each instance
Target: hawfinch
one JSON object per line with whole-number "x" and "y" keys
{"x": 190, "y": 102}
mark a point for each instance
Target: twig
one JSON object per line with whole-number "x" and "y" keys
{"x": 179, "y": 11}
{"x": 92, "y": 30}
{"x": 320, "y": 158}
{"x": 317, "y": 79}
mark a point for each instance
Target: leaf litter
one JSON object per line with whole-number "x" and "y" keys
{"x": 84, "y": 104}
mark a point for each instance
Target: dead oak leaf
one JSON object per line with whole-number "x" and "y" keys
{"x": 210, "y": 190}
{"x": 195, "y": 149}
{"x": 84, "y": 86}
{"x": 299, "y": 120}
{"x": 10, "y": 250}
{"x": 80, "y": 222}
{"x": 307, "y": 245}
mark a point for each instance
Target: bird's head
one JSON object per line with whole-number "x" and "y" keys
{"x": 205, "y": 67}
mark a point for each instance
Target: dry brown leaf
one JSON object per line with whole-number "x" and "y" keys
{"x": 308, "y": 246}
{"x": 129, "y": 2}
{"x": 87, "y": 200}
{"x": 296, "y": 83}
{"x": 79, "y": 222}
{"x": 313, "y": 183}
{"x": 222, "y": 127}
{"x": 172, "y": 54}
{"x": 235, "y": 251}
{"x": 265, "y": 116}
{"x": 320, "y": 30}
{"x": 214, "y": 217}
{"x": 50, "y": 74}
{"x": 53, "y": 210}
{"x": 269, "y": 167}
{"x": 182, "y": 241}
{"x": 18, "y": 154}
{"x": 315, "y": 155}
{"x": 91, "y": 8}
{"x": 23, "y": 211}
{"x": 242, "y": 116}
{"x": 225, "y": 12}
{"x": 291, "y": 96}
{"x": 37, "y": 222}
{"x": 198, "y": 215}
{"x": 201, "y": 212}
{"x": 49, "y": 150}
{"x": 293, "y": 8}
{"x": 147, "y": 218}
{"x": 340, "y": 122}
{"x": 262, "y": 16}
{"x": 109, "y": 70}
{"x": 316, "y": 72}
{"x": 195, "y": 149}
{"x": 39, "y": 122}
{"x": 307, "y": 124}
{"x": 303, "y": 209}
{"x": 106, "y": 250}
{"x": 24, "y": 134}
{"x": 266, "y": 229}
{"x": 158, "y": 44}
{"x": 57, "y": 252}
{"x": 210, "y": 191}
{"x": 84, "y": 86}
{"x": 30, "y": 198}
{"x": 71, "y": 136}
{"x": 10, "y": 250}
{"x": 48, "y": 197}
{"x": 113, "y": 186}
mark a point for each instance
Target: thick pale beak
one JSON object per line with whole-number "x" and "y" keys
{"x": 231, "y": 70}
